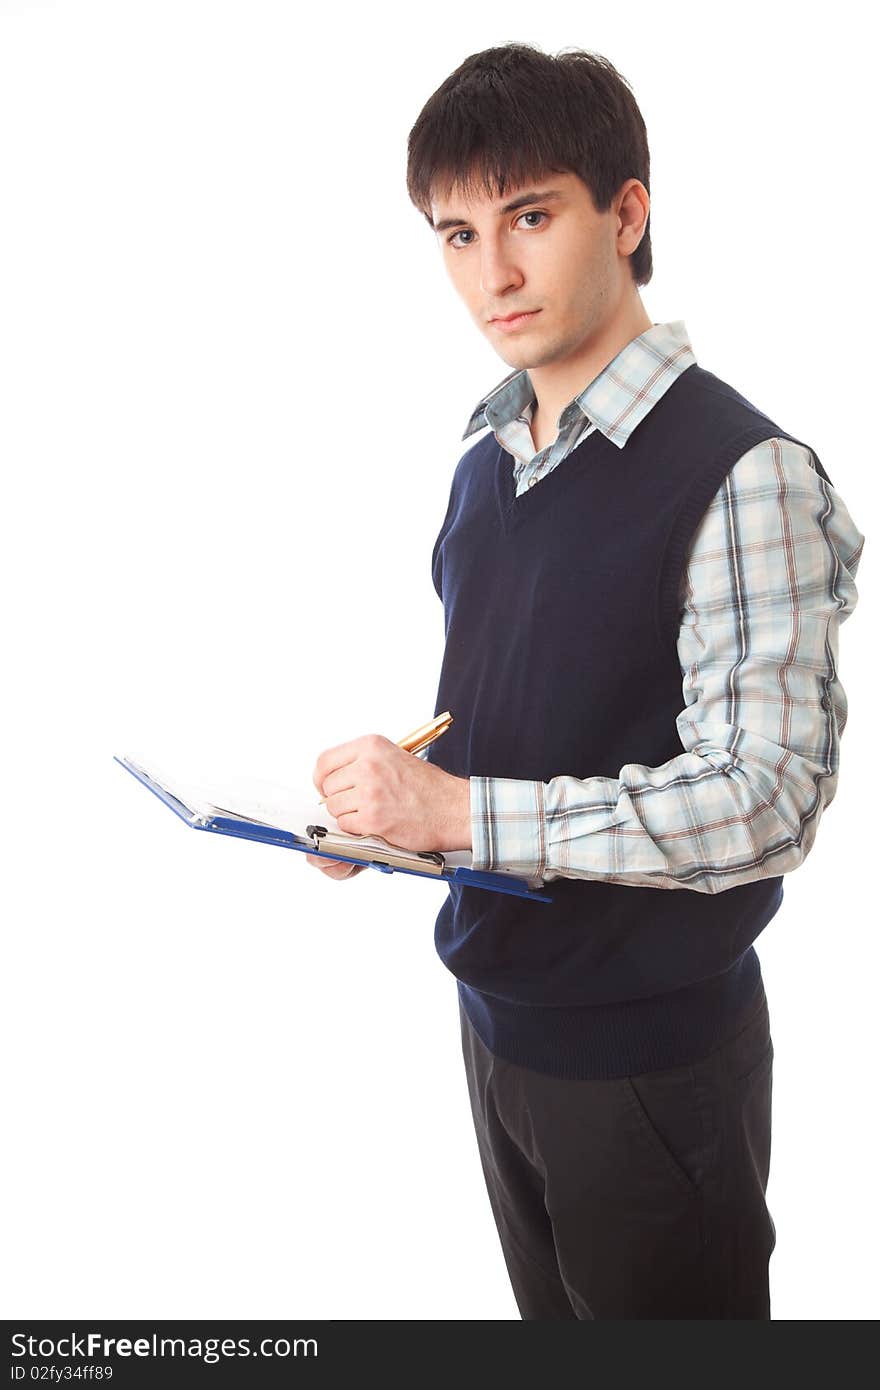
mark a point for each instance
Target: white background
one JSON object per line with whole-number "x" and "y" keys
{"x": 234, "y": 382}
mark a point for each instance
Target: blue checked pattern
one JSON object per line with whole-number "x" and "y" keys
{"x": 769, "y": 579}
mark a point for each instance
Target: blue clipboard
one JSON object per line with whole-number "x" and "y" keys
{"x": 244, "y": 828}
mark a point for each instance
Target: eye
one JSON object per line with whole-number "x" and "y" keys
{"x": 533, "y": 212}
{"x": 450, "y": 240}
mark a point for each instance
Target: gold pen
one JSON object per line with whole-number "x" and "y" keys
{"x": 421, "y": 737}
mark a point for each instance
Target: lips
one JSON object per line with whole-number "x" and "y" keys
{"x": 515, "y": 322}
{"x": 507, "y": 317}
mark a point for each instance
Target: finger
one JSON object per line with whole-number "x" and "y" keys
{"x": 352, "y": 871}
{"x": 321, "y": 861}
{"x": 342, "y": 803}
{"x": 334, "y": 758}
{"x": 341, "y": 869}
{"x": 351, "y": 822}
{"x": 343, "y": 780}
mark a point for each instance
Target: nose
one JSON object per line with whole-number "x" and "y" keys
{"x": 498, "y": 273}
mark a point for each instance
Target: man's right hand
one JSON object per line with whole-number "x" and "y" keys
{"x": 334, "y": 868}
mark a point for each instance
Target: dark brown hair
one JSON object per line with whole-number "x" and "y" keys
{"x": 512, "y": 114}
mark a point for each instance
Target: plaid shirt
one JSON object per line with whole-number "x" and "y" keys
{"x": 769, "y": 579}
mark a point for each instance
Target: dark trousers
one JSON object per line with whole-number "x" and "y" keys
{"x": 639, "y": 1197}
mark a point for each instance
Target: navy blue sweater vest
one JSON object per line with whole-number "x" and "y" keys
{"x": 562, "y": 615}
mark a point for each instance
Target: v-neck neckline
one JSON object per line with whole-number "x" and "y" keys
{"x": 513, "y": 509}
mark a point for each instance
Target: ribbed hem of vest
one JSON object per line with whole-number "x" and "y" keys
{"x": 601, "y": 1041}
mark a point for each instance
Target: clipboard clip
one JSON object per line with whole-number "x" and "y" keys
{"x": 318, "y": 833}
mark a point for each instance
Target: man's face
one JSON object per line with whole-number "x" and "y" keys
{"x": 556, "y": 255}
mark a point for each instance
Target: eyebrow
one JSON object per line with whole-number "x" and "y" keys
{"x": 520, "y": 202}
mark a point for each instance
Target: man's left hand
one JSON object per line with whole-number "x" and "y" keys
{"x": 374, "y": 787}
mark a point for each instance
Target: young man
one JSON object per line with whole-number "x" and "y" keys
{"x": 643, "y": 579}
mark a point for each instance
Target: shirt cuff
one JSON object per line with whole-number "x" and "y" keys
{"x": 508, "y": 825}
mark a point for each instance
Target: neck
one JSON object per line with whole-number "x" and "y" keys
{"x": 559, "y": 382}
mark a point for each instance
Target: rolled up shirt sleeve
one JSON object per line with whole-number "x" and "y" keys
{"x": 769, "y": 579}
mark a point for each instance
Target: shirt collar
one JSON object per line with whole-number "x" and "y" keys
{"x": 617, "y": 400}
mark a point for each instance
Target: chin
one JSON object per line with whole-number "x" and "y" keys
{"x": 513, "y": 352}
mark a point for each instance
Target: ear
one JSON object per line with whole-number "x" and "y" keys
{"x": 633, "y": 209}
